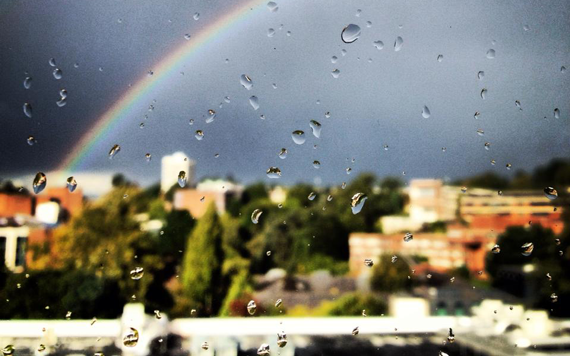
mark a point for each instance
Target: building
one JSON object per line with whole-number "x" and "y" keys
{"x": 13, "y": 243}
{"x": 15, "y": 204}
{"x": 171, "y": 167}
{"x": 196, "y": 201}
{"x": 429, "y": 201}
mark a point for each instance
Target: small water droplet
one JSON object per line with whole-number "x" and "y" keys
{"x": 114, "y": 150}
{"x": 272, "y": 6}
{"x": 182, "y": 179}
{"x": 211, "y": 116}
{"x": 350, "y": 33}
{"x": 246, "y": 81}
{"x": 527, "y": 249}
{"x": 355, "y": 331}
{"x": 487, "y": 145}
{"x": 526, "y": 27}
{"x": 281, "y": 339}
{"x": 357, "y": 202}
{"x": 335, "y": 73}
{"x": 8, "y": 350}
{"x": 483, "y": 93}
{"x": 187, "y": 36}
{"x": 205, "y": 346}
{"x": 394, "y": 259}
{"x": 368, "y": 262}
{"x": 334, "y": 59}
{"x": 157, "y": 314}
{"x": 148, "y": 157}
{"x": 196, "y": 16}
{"x": 554, "y": 297}
{"x": 316, "y": 128}
{"x": 316, "y": 164}
{"x": 71, "y": 184}
{"x": 556, "y": 113}
{"x": 28, "y": 82}
{"x": 440, "y": 58}
{"x": 476, "y": 115}
{"x": 132, "y": 338}
{"x": 199, "y": 135}
{"x": 31, "y": 140}
{"x": 28, "y": 110}
{"x": 251, "y": 307}
{"x": 270, "y": 32}
{"x": 550, "y": 193}
{"x": 263, "y": 350}
{"x": 298, "y": 137}
{"x": 254, "y": 102}
{"x": 496, "y": 249}
{"x": 508, "y": 166}
{"x": 57, "y": 74}
{"x": 398, "y": 44}
{"x": 563, "y": 69}
{"x": 41, "y": 348}
{"x": 408, "y": 237}
{"x": 425, "y": 112}
{"x": 273, "y": 172}
{"x": 312, "y": 196}
{"x": 378, "y": 44}
{"x": 450, "y": 336}
{"x": 491, "y": 54}
{"x": 137, "y": 273}
{"x": 256, "y": 215}
{"x": 39, "y": 183}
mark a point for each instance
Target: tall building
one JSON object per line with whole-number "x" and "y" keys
{"x": 171, "y": 167}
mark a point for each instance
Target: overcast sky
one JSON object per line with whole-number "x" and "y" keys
{"x": 376, "y": 100}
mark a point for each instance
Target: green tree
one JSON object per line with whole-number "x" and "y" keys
{"x": 388, "y": 276}
{"x": 202, "y": 265}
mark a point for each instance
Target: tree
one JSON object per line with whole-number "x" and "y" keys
{"x": 388, "y": 276}
{"x": 202, "y": 265}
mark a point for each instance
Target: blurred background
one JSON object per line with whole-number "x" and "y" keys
{"x": 297, "y": 178}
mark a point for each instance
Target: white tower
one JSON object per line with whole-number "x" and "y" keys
{"x": 171, "y": 167}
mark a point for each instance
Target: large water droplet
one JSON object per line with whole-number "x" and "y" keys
{"x": 256, "y": 215}
{"x": 398, "y": 44}
{"x": 281, "y": 339}
{"x": 114, "y": 150}
{"x": 550, "y": 193}
{"x": 316, "y": 128}
{"x": 254, "y": 102}
{"x": 246, "y": 81}
{"x": 132, "y": 338}
{"x": 57, "y": 74}
{"x": 71, "y": 184}
{"x": 491, "y": 54}
{"x": 182, "y": 179}
{"x": 272, "y": 6}
{"x": 298, "y": 137}
{"x": 425, "y": 112}
{"x": 28, "y": 82}
{"x": 527, "y": 249}
{"x": 350, "y": 33}
{"x": 28, "y": 110}
{"x": 251, "y": 307}
{"x": 39, "y": 183}
{"x": 273, "y": 172}
{"x": 283, "y": 153}
{"x": 137, "y": 273}
{"x": 199, "y": 135}
{"x": 357, "y": 202}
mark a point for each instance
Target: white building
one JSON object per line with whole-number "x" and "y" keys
{"x": 171, "y": 167}
{"x": 13, "y": 242}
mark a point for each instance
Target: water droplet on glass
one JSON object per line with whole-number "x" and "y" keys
{"x": 283, "y": 153}
{"x": 187, "y": 36}
{"x": 148, "y": 157}
{"x": 57, "y": 74}
{"x": 255, "y": 215}
{"x": 254, "y": 102}
{"x": 132, "y": 338}
{"x": 270, "y": 32}
{"x": 496, "y": 249}
{"x": 355, "y": 331}
{"x": 563, "y": 69}
{"x": 114, "y": 150}
{"x": 182, "y": 179}
{"x": 398, "y": 44}
{"x": 31, "y": 140}
{"x": 553, "y": 298}
{"x": 316, "y": 164}
{"x": 357, "y": 202}
{"x": 480, "y": 75}
{"x": 41, "y": 348}
{"x": 196, "y": 16}
{"x": 268, "y": 253}
{"x": 483, "y": 93}
{"x": 312, "y": 196}
{"x": 408, "y": 237}
{"x": 272, "y": 6}
{"x": 71, "y": 184}
{"x": 211, "y": 116}
{"x": 480, "y": 132}
{"x": 508, "y": 166}
{"x": 205, "y": 346}
{"x": 61, "y": 102}
{"x": 40, "y": 182}
{"x": 378, "y": 44}
{"x": 298, "y": 137}
{"x": 8, "y": 350}
{"x": 199, "y": 135}
{"x": 334, "y": 59}
{"x": 251, "y": 307}
{"x": 68, "y": 315}
{"x": 350, "y": 33}
{"x": 491, "y": 54}
{"x": 556, "y": 113}
{"x": 550, "y": 193}
{"x": 450, "y": 336}
{"x": 157, "y": 314}
{"x": 440, "y": 58}
{"x": 463, "y": 189}
{"x": 527, "y": 249}
{"x": 273, "y": 172}
{"x": 281, "y": 339}
{"x": 368, "y": 262}
{"x": 28, "y": 82}
{"x": 316, "y": 128}
{"x": 425, "y": 112}
{"x": 487, "y": 145}
{"x": 28, "y": 110}
{"x": 335, "y": 73}
{"x": 263, "y": 350}
{"x": 137, "y": 273}
{"x": 518, "y": 104}
{"x": 394, "y": 259}
{"x": 246, "y": 81}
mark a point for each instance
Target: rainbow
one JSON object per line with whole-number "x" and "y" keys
{"x": 165, "y": 68}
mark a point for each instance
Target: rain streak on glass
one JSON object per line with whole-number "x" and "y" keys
{"x": 550, "y": 193}
{"x": 316, "y": 128}
{"x": 425, "y": 112}
{"x": 182, "y": 179}
{"x": 39, "y": 183}
{"x": 28, "y": 82}
{"x": 398, "y": 44}
{"x": 263, "y": 350}
{"x": 298, "y": 137}
{"x": 527, "y": 249}
{"x": 251, "y": 307}
{"x": 28, "y": 110}
{"x": 137, "y": 273}
{"x": 357, "y": 202}
{"x": 132, "y": 338}
{"x": 256, "y": 215}
{"x": 246, "y": 81}
{"x": 71, "y": 184}
{"x": 283, "y": 153}
{"x": 114, "y": 150}
{"x": 350, "y": 33}
{"x": 281, "y": 339}
{"x": 273, "y": 172}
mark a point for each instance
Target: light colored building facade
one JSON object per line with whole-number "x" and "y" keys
{"x": 171, "y": 167}
{"x": 13, "y": 244}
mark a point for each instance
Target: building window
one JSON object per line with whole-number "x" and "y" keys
{"x": 21, "y": 251}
